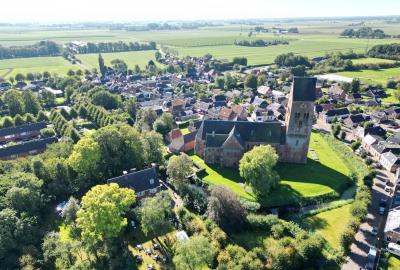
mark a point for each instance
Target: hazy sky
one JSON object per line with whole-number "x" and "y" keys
{"x": 138, "y": 10}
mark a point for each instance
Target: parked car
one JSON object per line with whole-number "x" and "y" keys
{"x": 374, "y": 231}
{"x": 382, "y": 206}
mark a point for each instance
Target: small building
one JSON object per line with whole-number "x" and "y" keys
{"x": 181, "y": 143}
{"x": 58, "y": 93}
{"x": 145, "y": 183}
{"x": 390, "y": 161}
{"x": 339, "y": 114}
{"x": 370, "y": 140}
{"x": 392, "y": 226}
{"x": 355, "y": 120}
{"x": 336, "y": 92}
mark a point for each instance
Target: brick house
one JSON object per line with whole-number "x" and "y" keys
{"x": 23, "y": 132}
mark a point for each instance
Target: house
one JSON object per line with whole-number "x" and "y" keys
{"x": 361, "y": 132}
{"x": 240, "y": 111}
{"x": 56, "y": 92}
{"x": 177, "y": 107}
{"x": 393, "y": 112}
{"x": 392, "y": 226}
{"x": 25, "y": 149}
{"x": 259, "y": 103}
{"x": 264, "y": 91}
{"x": 181, "y": 143}
{"x": 395, "y": 138}
{"x": 4, "y": 86}
{"x": 324, "y": 107}
{"x": 370, "y": 140}
{"x": 336, "y": 92}
{"x": 379, "y": 117}
{"x": 338, "y": 114}
{"x": 389, "y": 161}
{"x": 376, "y": 150}
{"x": 353, "y": 98}
{"x": 263, "y": 116}
{"x": 145, "y": 182}
{"x": 20, "y": 85}
{"x": 355, "y": 120}
{"x": 226, "y": 114}
{"x": 24, "y": 132}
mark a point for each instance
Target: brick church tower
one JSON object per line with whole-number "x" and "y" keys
{"x": 299, "y": 120}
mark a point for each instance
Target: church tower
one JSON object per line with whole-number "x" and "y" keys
{"x": 299, "y": 120}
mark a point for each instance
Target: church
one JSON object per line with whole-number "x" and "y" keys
{"x": 225, "y": 142}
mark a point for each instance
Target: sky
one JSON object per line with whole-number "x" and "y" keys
{"x": 149, "y": 10}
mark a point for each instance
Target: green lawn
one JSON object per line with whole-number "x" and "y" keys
{"x": 371, "y": 61}
{"x": 36, "y": 64}
{"x": 140, "y": 58}
{"x": 185, "y": 131}
{"x": 373, "y": 76}
{"x": 330, "y": 224}
{"x": 298, "y": 182}
{"x": 390, "y": 98}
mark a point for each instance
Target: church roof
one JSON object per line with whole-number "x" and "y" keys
{"x": 304, "y": 88}
{"x": 261, "y": 132}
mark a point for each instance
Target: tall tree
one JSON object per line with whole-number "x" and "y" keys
{"x": 102, "y": 67}
{"x": 179, "y": 169}
{"x": 85, "y": 157}
{"x": 101, "y": 216}
{"x": 195, "y": 253}
{"x": 257, "y": 168}
{"x": 31, "y": 102}
{"x": 14, "y": 102}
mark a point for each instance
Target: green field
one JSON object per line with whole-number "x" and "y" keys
{"x": 36, "y": 64}
{"x": 140, "y": 58}
{"x": 330, "y": 224}
{"x": 373, "y": 76}
{"x": 329, "y": 176}
{"x": 364, "y": 61}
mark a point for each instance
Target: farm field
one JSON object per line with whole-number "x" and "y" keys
{"x": 36, "y": 64}
{"x": 371, "y": 61}
{"x": 140, "y": 58}
{"x": 330, "y": 224}
{"x": 373, "y": 76}
{"x": 329, "y": 176}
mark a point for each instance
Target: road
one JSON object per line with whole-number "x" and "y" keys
{"x": 363, "y": 239}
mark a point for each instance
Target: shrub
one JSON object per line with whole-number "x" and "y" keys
{"x": 261, "y": 221}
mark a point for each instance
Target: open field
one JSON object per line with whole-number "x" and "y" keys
{"x": 371, "y": 61}
{"x": 329, "y": 176}
{"x": 373, "y": 76}
{"x": 36, "y": 64}
{"x": 140, "y": 58}
{"x": 330, "y": 223}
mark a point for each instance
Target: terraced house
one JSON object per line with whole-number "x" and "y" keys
{"x": 225, "y": 142}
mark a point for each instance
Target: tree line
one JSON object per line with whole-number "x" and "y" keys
{"x": 42, "y": 48}
{"x": 106, "y": 47}
{"x": 260, "y": 43}
{"x": 386, "y": 51}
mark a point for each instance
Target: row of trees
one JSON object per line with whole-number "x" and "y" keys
{"x": 21, "y": 103}
{"x": 387, "y": 51}
{"x": 42, "y": 48}
{"x": 260, "y": 43}
{"x": 107, "y": 47}
{"x": 291, "y": 60}
{"x": 62, "y": 126}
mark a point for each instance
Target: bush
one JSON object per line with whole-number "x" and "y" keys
{"x": 391, "y": 84}
{"x": 368, "y": 161}
{"x": 346, "y": 238}
{"x": 261, "y": 221}
{"x": 355, "y": 145}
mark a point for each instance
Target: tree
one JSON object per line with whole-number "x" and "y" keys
{"x": 112, "y": 202}
{"x": 145, "y": 119}
{"x": 299, "y": 70}
{"x": 70, "y": 210}
{"x": 18, "y": 120}
{"x": 31, "y": 102}
{"x": 261, "y": 80}
{"x": 195, "y": 253}
{"x": 42, "y": 117}
{"x": 85, "y": 157}
{"x": 19, "y": 77}
{"x": 119, "y": 65}
{"x": 220, "y": 82}
{"x": 237, "y": 258}
{"x": 179, "y": 169}
{"x": 154, "y": 145}
{"x": 225, "y": 209}
{"x": 8, "y": 221}
{"x": 106, "y": 99}
{"x": 229, "y": 81}
{"x": 131, "y": 107}
{"x": 251, "y": 81}
{"x": 256, "y": 167}
{"x": 71, "y": 72}
{"x": 164, "y": 124}
{"x": 48, "y": 98}
{"x": 29, "y": 118}
{"x": 7, "y": 122}
{"x": 82, "y": 111}
{"x": 102, "y": 67}
{"x": 156, "y": 213}
{"x": 355, "y": 85}
{"x": 14, "y": 102}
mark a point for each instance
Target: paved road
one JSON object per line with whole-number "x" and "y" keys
{"x": 363, "y": 239}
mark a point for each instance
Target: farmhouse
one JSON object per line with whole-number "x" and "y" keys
{"x": 225, "y": 142}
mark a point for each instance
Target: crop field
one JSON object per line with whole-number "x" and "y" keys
{"x": 140, "y": 58}
{"x": 373, "y": 76}
{"x": 35, "y": 64}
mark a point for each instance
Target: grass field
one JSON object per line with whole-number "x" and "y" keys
{"x": 297, "y": 181}
{"x": 371, "y": 61}
{"x": 36, "y": 64}
{"x": 330, "y": 224}
{"x": 373, "y": 76}
{"x": 140, "y": 58}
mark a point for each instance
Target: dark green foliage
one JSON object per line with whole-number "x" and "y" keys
{"x": 387, "y": 51}
{"x": 18, "y": 120}
{"x": 291, "y": 60}
{"x": 106, "y": 99}
{"x": 364, "y": 32}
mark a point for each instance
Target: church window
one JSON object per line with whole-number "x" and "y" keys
{"x": 306, "y": 115}
{"x": 297, "y": 142}
{"x": 300, "y": 124}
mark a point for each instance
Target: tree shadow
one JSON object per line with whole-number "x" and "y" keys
{"x": 315, "y": 223}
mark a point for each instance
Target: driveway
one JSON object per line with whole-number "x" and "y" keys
{"x": 363, "y": 239}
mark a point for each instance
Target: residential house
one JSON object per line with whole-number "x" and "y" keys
{"x": 145, "y": 183}
{"x": 376, "y": 150}
{"x": 263, "y": 116}
{"x": 25, "y": 149}
{"x": 353, "y": 98}
{"x": 395, "y": 138}
{"x": 180, "y": 142}
{"x": 355, "y": 120}
{"x": 361, "y": 132}
{"x": 58, "y": 93}
{"x": 24, "y": 132}
{"x": 393, "y": 112}
{"x": 259, "y": 103}
{"x": 338, "y": 114}
{"x": 379, "y": 117}
{"x": 370, "y": 140}
{"x": 392, "y": 226}
{"x": 336, "y": 92}
{"x": 390, "y": 161}
{"x": 226, "y": 114}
